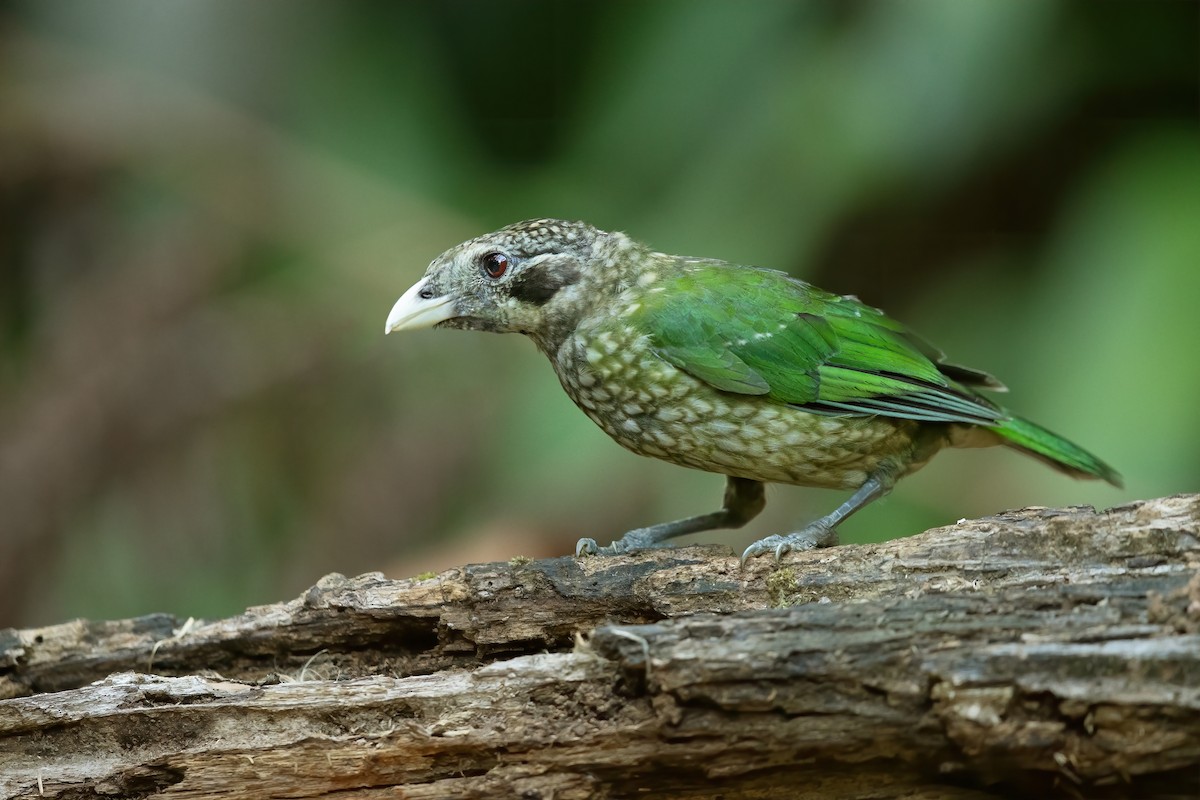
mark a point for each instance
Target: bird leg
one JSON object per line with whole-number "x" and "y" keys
{"x": 823, "y": 532}
{"x": 744, "y": 498}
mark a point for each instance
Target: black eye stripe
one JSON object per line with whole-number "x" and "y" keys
{"x": 540, "y": 283}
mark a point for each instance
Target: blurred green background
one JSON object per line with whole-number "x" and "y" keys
{"x": 207, "y": 209}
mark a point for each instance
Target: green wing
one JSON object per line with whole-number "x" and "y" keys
{"x": 760, "y": 332}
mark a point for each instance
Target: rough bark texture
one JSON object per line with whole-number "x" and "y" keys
{"x": 1044, "y": 652}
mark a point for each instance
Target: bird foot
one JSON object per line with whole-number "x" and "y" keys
{"x": 637, "y": 539}
{"x": 587, "y": 547}
{"x": 810, "y": 537}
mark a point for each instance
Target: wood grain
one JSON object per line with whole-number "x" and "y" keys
{"x": 1051, "y": 652}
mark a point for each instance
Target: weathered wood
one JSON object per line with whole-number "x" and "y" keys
{"x": 1045, "y": 651}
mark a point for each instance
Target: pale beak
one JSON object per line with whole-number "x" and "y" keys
{"x": 413, "y": 311}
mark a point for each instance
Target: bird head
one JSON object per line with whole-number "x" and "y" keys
{"x": 535, "y": 277}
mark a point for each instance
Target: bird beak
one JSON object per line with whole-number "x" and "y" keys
{"x": 413, "y": 311}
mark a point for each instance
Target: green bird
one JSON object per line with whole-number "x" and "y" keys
{"x": 737, "y": 370}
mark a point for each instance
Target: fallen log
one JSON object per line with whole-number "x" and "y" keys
{"x": 1042, "y": 651}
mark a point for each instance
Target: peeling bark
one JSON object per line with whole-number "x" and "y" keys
{"x": 1043, "y": 651}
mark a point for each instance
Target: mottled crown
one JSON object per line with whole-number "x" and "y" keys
{"x": 534, "y": 236}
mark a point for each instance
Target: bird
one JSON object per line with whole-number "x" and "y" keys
{"x": 737, "y": 370}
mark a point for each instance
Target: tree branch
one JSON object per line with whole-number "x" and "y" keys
{"x": 1042, "y": 650}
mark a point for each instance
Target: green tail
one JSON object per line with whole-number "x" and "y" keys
{"x": 1055, "y": 450}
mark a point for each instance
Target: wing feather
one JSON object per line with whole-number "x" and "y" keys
{"x": 760, "y": 332}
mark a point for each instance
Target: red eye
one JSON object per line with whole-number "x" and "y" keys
{"x": 495, "y": 264}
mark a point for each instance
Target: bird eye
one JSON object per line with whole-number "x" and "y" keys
{"x": 495, "y": 264}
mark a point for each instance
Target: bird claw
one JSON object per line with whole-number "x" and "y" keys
{"x": 776, "y": 543}
{"x": 637, "y": 539}
{"x": 586, "y": 547}
{"x": 810, "y": 537}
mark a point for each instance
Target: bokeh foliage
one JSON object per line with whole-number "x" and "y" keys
{"x": 208, "y": 207}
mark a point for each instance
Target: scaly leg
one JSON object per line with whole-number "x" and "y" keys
{"x": 823, "y": 532}
{"x": 744, "y": 498}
